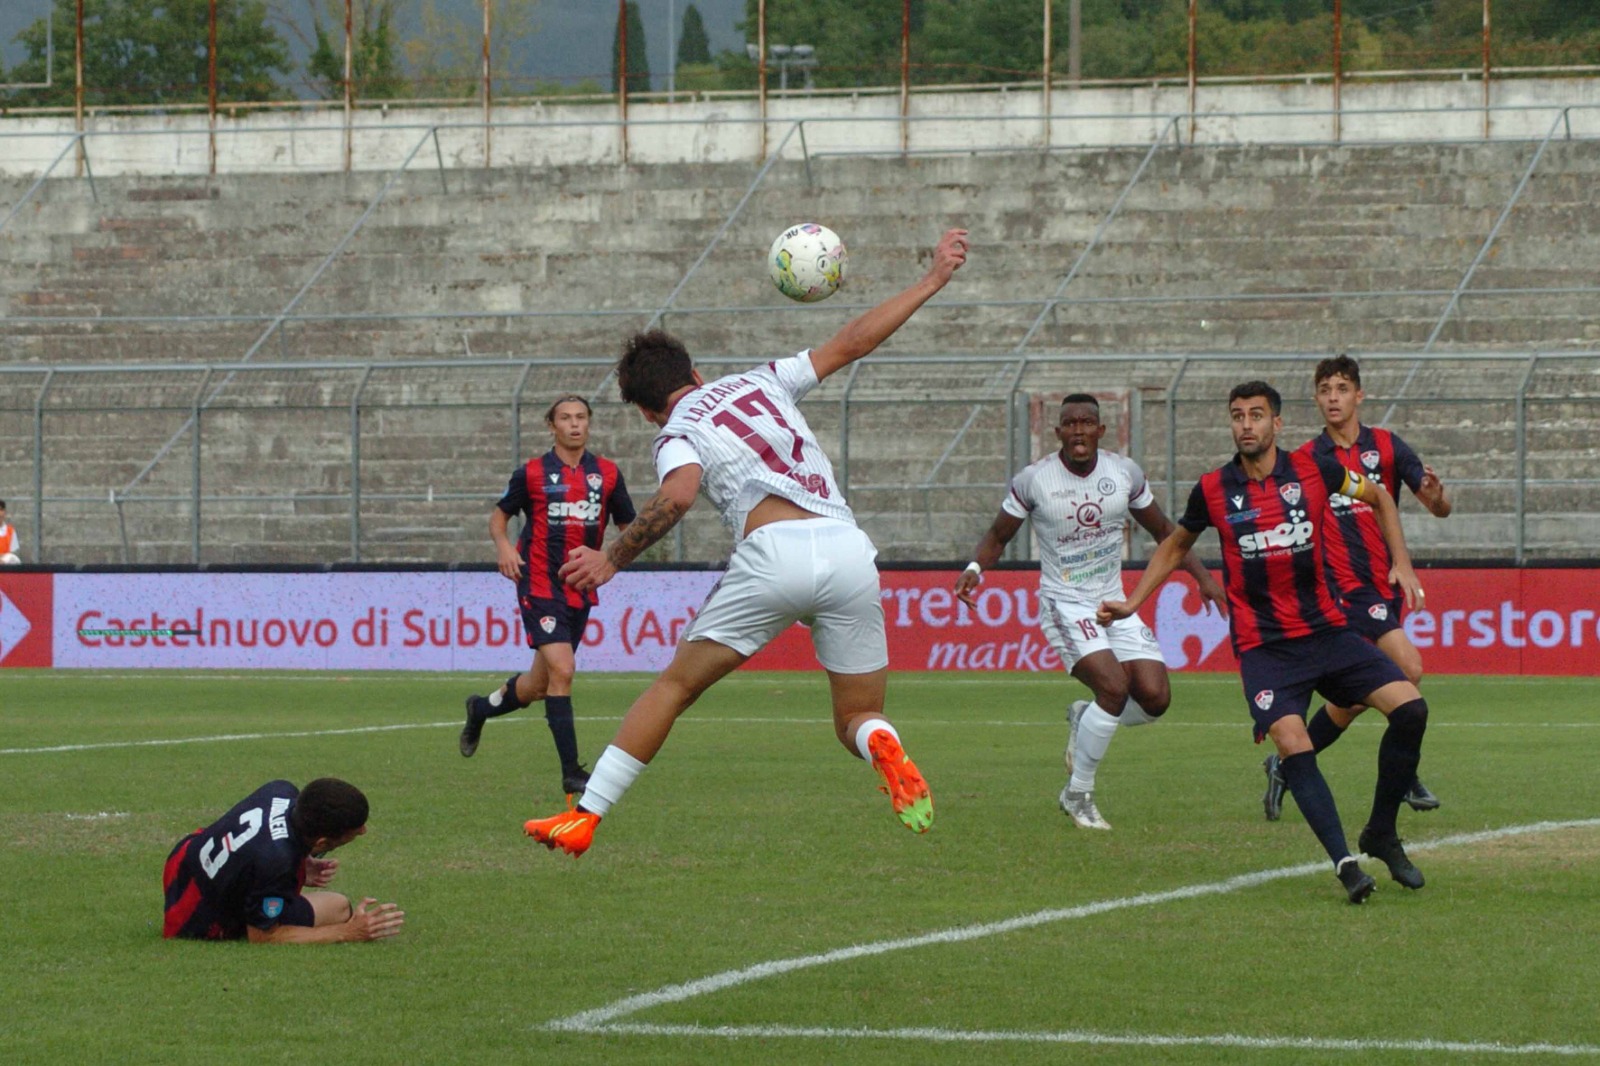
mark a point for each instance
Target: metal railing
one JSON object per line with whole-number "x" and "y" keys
{"x": 865, "y": 418}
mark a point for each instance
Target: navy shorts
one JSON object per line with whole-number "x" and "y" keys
{"x": 1279, "y": 677}
{"x": 1372, "y": 613}
{"x": 553, "y": 622}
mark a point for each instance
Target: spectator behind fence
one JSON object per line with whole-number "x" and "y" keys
{"x": 9, "y": 543}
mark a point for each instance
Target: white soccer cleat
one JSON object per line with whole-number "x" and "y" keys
{"x": 1074, "y": 716}
{"x": 1080, "y": 805}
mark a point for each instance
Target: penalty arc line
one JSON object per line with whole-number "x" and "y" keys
{"x": 604, "y": 1019}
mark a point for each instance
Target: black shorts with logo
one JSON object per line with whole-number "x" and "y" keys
{"x": 553, "y": 622}
{"x": 1372, "y": 613}
{"x": 1279, "y": 677}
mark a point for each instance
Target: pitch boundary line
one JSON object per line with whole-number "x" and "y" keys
{"x": 220, "y": 738}
{"x": 603, "y": 1019}
{"x": 1085, "y": 1037}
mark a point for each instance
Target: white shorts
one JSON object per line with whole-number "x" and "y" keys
{"x": 1073, "y": 632}
{"x": 818, "y": 571}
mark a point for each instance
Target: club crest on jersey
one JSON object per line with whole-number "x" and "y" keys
{"x": 1290, "y": 493}
{"x": 1379, "y": 611}
{"x": 1370, "y": 460}
{"x": 272, "y": 906}
{"x": 1105, "y": 486}
{"x": 1263, "y": 699}
{"x": 1089, "y": 515}
{"x": 548, "y": 623}
{"x": 595, "y": 482}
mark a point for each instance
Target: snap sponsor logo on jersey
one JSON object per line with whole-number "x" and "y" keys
{"x": 588, "y": 510}
{"x": 272, "y": 906}
{"x": 1378, "y": 611}
{"x": 1290, "y": 493}
{"x": 548, "y": 623}
{"x": 595, "y": 481}
{"x": 1370, "y": 460}
{"x": 1284, "y": 535}
{"x": 1263, "y": 699}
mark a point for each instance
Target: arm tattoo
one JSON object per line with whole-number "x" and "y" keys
{"x": 653, "y": 523}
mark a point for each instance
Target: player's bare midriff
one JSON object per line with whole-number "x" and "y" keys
{"x": 774, "y": 509}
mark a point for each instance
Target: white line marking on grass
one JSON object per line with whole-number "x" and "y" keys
{"x": 1080, "y": 1036}
{"x": 593, "y": 1020}
{"x": 97, "y": 816}
{"x": 220, "y": 738}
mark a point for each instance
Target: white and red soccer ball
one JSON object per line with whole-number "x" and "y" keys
{"x": 807, "y": 262}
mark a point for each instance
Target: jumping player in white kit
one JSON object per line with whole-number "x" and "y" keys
{"x": 1080, "y": 499}
{"x": 742, "y": 442}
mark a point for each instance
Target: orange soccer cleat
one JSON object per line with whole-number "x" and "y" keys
{"x": 902, "y": 781}
{"x": 572, "y": 831}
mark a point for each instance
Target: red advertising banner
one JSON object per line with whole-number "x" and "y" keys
{"x": 1493, "y": 621}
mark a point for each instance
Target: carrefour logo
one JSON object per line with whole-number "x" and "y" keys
{"x": 587, "y": 510}
{"x": 1283, "y": 535}
{"x": 14, "y": 625}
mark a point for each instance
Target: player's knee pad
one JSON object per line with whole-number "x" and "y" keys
{"x": 1410, "y": 720}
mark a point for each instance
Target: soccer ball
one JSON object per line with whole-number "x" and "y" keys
{"x": 807, "y": 262}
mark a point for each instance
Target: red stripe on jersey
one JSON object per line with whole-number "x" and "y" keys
{"x": 1353, "y": 546}
{"x": 179, "y": 914}
{"x": 536, "y": 536}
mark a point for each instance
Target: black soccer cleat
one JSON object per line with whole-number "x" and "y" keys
{"x": 1277, "y": 785}
{"x": 1358, "y": 884}
{"x": 1419, "y": 798}
{"x": 573, "y": 782}
{"x": 1388, "y": 849}
{"x": 473, "y": 730}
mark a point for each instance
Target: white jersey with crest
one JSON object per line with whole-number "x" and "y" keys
{"x": 1078, "y": 522}
{"x": 751, "y": 441}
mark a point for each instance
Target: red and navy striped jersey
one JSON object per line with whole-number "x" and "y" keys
{"x": 567, "y": 507}
{"x": 1352, "y": 545}
{"x": 245, "y": 868}
{"x": 1271, "y": 551}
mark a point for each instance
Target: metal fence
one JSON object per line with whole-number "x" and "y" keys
{"x": 374, "y": 462}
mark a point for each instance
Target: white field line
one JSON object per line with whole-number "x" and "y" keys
{"x": 1080, "y": 1036}
{"x": 820, "y": 719}
{"x": 603, "y": 1019}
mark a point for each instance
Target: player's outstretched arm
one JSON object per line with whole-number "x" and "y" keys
{"x": 376, "y": 923}
{"x": 871, "y": 328}
{"x": 987, "y": 553}
{"x": 1401, "y": 575}
{"x": 1159, "y": 526}
{"x": 1160, "y": 567}
{"x": 587, "y": 568}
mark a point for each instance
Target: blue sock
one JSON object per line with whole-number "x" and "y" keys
{"x": 1399, "y": 752}
{"x": 558, "y": 715}
{"x": 1311, "y": 792}
{"x": 1323, "y": 730}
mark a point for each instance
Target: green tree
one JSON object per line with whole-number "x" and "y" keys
{"x": 374, "y": 54}
{"x": 445, "y": 59}
{"x": 144, "y": 52}
{"x": 693, "y": 45}
{"x": 857, "y": 41}
{"x": 638, "y": 65}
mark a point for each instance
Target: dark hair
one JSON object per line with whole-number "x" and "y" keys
{"x": 1080, "y": 397}
{"x": 2, "y": 505}
{"x": 571, "y": 397}
{"x": 328, "y": 807}
{"x": 653, "y": 366}
{"x": 1340, "y": 365}
{"x": 1250, "y": 389}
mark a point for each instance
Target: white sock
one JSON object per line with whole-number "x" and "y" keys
{"x": 613, "y": 775}
{"x": 864, "y": 733}
{"x": 1133, "y": 714}
{"x": 1095, "y": 730}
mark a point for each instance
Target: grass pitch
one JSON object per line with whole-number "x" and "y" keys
{"x": 713, "y": 918}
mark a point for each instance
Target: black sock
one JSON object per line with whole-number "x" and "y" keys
{"x": 508, "y": 700}
{"x": 1399, "y": 752}
{"x": 1315, "y": 799}
{"x": 1323, "y": 730}
{"x": 558, "y": 714}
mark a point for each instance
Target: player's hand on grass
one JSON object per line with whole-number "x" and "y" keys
{"x": 510, "y": 562}
{"x": 949, "y": 255}
{"x": 383, "y": 920}
{"x": 320, "y": 871}
{"x": 587, "y": 568}
{"x": 966, "y": 585}
{"x": 1405, "y": 579}
{"x": 1112, "y": 610}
